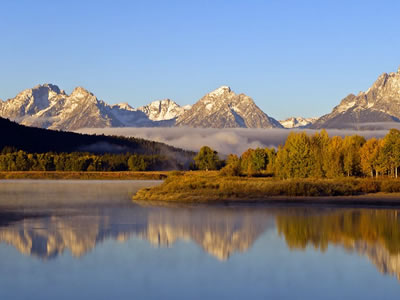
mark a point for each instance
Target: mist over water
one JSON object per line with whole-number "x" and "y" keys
{"x": 15, "y": 194}
{"x": 88, "y": 240}
{"x": 227, "y": 140}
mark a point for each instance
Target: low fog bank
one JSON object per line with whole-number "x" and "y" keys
{"x": 225, "y": 141}
{"x": 58, "y": 194}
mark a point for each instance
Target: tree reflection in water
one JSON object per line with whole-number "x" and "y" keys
{"x": 219, "y": 231}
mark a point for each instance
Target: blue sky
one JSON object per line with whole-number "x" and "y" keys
{"x": 292, "y": 57}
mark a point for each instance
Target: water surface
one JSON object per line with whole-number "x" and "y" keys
{"x": 86, "y": 240}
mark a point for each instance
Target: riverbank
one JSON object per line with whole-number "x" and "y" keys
{"x": 149, "y": 175}
{"x": 211, "y": 187}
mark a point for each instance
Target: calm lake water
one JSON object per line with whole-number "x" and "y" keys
{"x": 86, "y": 240}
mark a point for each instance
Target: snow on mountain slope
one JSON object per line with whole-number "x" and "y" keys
{"x": 380, "y": 103}
{"x": 49, "y": 107}
{"x": 162, "y": 110}
{"x": 297, "y": 122}
{"x": 124, "y": 105}
{"x": 222, "y": 108}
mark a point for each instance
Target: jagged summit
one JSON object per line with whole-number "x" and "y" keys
{"x": 50, "y": 87}
{"x": 297, "y": 122}
{"x": 222, "y": 233}
{"x": 48, "y": 106}
{"x": 123, "y": 105}
{"x": 380, "y": 103}
{"x": 162, "y": 110}
{"x": 81, "y": 91}
{"x": 222, "y": 108}
{"x": 220, "y": 91}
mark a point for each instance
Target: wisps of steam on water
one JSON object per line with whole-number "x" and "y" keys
{"x": 228, "y": 140}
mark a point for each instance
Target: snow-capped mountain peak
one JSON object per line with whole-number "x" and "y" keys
{"x": 222, "y": 108}
{"x": 297, "y": 122}
{"x": 49, "y": 107}
{"x": 380, "y": 103}
{"x": 220, "y": 91}
{"x": 80, "y": 92}
{"x": 31, "y": 101}
{"x": 124, "y": 105}
{"x": 162, "y": 110}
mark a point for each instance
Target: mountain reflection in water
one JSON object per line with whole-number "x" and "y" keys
{"x": 219, "y": 231}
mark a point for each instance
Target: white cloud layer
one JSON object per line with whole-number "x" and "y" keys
{"x": 225, "y": 141}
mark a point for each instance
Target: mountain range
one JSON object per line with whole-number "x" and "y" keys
{"x": 220, "y": 231}
{"x": 47, "y": 106}
{"x": 379, "y": 104}
{"x": 223, "y": 108}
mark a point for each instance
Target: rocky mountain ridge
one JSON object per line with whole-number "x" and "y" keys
{"x": 379, "y": 104}
{"x": 163, "y": 110}
{"x": 297, "y": 122}
{"x": 219, "y": 234}
{"x": 222, "y": 108}
{"x": 48, "y": 106}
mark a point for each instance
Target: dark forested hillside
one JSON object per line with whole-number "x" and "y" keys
{"x": 37, "y": 140}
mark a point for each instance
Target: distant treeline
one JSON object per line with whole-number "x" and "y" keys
{"x": 38, "y": 140}
{"x": 313, "y": 156}
{"x": 12, "y": 160}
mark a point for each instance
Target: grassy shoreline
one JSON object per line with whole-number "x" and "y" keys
{"x": 55, "y": 175}
{"x": 210, "y": 187}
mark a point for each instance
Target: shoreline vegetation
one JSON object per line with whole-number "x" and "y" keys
{"x": 71, "y": 175}
{"x": 209, "y": 187}
{"x": 310, "y": 168}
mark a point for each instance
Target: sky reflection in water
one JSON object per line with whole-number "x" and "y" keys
{"x": 103, "y": 251}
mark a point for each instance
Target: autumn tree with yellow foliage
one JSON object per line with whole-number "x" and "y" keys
{"x": 321, "y": 156}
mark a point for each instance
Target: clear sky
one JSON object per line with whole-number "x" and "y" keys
{"x": 292, "y": 57}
